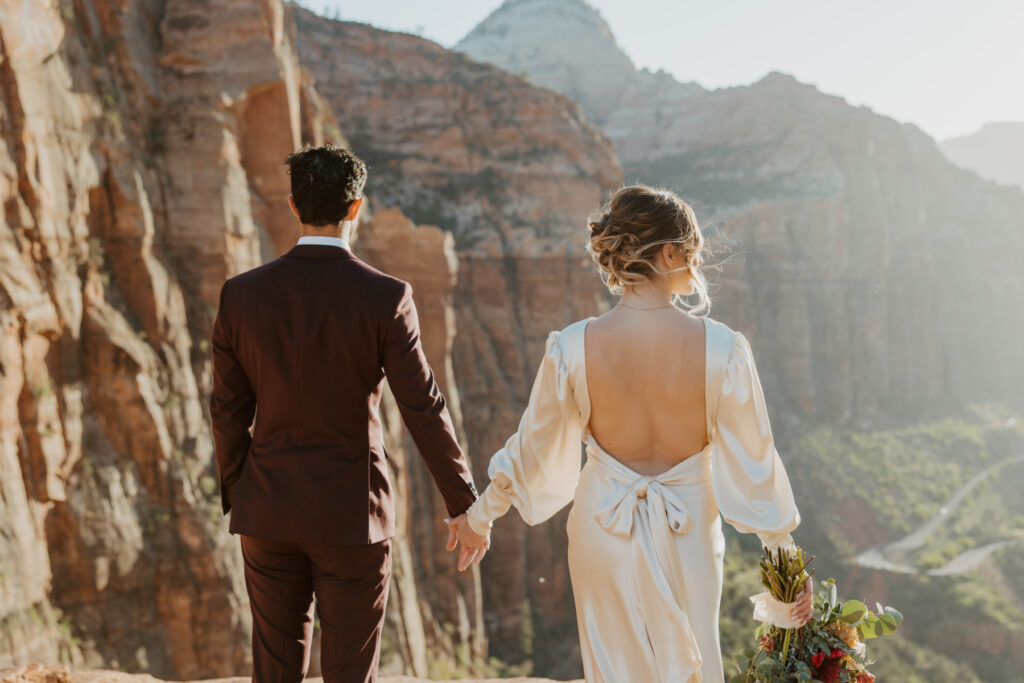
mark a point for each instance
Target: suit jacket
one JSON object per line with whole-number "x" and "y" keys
{"x": 303, "y": 343}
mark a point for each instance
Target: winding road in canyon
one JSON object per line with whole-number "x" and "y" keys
{"x": 877, "y": 556}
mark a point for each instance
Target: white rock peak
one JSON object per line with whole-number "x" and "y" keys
{"x": 565, "y": 45}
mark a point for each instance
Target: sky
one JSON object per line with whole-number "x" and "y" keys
{"x": 947, "y": 66}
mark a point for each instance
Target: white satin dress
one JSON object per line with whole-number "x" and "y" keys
{"x": 645, "y": 552}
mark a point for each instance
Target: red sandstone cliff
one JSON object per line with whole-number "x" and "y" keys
{"x": 513, "y": 172}
{"x": 108, "y": 287}
{"x": 140, "y": 165}
{"x": 140, "y": 150}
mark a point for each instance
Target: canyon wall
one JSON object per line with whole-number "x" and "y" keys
{"x": 112, "y": 540}
{"x": 436, "y": 620}
{"x": 141, "y": 144}
{"x": 567, "y": 46}
{"x": 839, "y": 235}
{"x": 512, "y": 171}
{"x": 871, "y": 275}
{"x": 878, "y": 284}
{"x": 141, "y": 149}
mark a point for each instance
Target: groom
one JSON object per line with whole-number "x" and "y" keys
{"x": 305, "y": 341}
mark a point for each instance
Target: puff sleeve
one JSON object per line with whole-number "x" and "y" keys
{"x": 539, "y": 466}
{"x": 750, "y": 482}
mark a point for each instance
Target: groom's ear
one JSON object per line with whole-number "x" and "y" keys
{"x": 353, "y": 210}
{"x": 291, "y": 205}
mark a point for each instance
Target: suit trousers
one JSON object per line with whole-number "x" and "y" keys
{"x": 350, "y": 583}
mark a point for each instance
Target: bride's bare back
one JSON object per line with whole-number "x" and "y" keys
{"x": 645, "y": 376}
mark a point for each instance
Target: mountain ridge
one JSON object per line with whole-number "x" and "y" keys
{"x": 995, "y": 151}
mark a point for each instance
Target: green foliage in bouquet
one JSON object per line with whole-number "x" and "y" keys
{"x": 829, "y": 648}
{"x": 784, "y": 574}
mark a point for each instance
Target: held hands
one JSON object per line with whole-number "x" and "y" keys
{"x": 474, "y": 545}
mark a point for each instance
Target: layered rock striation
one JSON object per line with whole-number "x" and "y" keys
{"x": 512, "y": 171}
{"x": 140, "y": 165}
{"x": 141, "y": 149}
{"x": 111, "y": 537}
{"x": 869, "y": 272}
{"x": 876, "y": 280}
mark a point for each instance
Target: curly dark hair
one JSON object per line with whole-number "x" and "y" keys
{"x": 325, "y": 182}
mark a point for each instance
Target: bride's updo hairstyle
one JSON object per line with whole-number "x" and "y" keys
{"x": 628, "y": 232}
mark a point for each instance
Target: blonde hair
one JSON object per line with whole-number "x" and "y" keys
{"x": 627, "y": 233}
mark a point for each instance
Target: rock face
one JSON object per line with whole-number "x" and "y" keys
{"x": 551, "y": 58}
{"x": 856, "y": 237}
{"x": 567, "y": 46}
{"x": 140, "y": 165}
{"x": 995, "y": 152}
{"x": 140, "y": 152}
{"x": 513, "y": 172}
{"x": 876, "y": 280}
{"x": 435, "y": 615}
{"x": 456, "y": 143}
{"x": 111, "y": 536}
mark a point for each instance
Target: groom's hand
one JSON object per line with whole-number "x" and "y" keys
{"x": 474, "y": 545}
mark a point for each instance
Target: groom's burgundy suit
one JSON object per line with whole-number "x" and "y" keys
{"x": 303, "y": 343}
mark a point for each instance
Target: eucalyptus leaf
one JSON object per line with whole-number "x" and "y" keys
{"x": 888, "y": 622}
{"x": 853, "y": 611}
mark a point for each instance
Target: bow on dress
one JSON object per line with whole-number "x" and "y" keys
{"x": 648, "y": 512}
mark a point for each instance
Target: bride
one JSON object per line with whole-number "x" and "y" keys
{"x": 670, "y": 409}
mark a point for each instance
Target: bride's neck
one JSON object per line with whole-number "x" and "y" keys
{"x": 646, "y": 295}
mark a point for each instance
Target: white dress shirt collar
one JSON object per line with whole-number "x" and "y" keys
{"x": 323, "y": 239}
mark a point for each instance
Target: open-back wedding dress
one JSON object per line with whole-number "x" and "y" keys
{"x": 645, "y": 552}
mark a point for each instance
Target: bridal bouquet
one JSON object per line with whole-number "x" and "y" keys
{"x": 829, "y": 648}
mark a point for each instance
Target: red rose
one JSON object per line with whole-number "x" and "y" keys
{"x": 767, "y": 643}
{"x": 865, "y": 677}
{"x": 837, "y": 653}
{"x": 817, "y": 659}
{"x": 829, "y": 671}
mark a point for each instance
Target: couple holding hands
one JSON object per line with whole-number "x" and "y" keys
{"x": 665, "y": 401}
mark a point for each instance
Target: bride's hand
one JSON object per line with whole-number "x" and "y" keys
{"x": 803, "y": 608}
{"x": 474, "y": 545}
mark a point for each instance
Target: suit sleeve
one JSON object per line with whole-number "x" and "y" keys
{"x": 423, "y": 407}
{"x": 232, "y": 406}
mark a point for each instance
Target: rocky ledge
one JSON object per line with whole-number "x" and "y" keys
{"x": 38, "y": 673}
